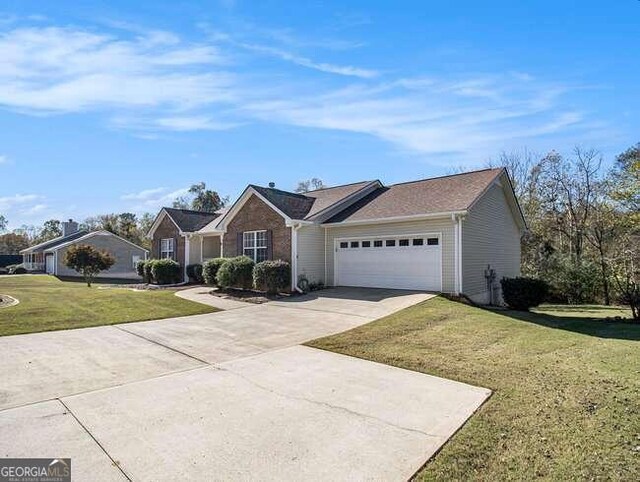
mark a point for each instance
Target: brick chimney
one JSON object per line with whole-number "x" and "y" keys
{"x": 69, "y": 227}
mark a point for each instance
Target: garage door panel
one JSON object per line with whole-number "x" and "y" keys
{"x": 412, "y": 267}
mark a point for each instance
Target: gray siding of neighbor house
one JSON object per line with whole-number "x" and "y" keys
{"x": 122, "y": 251}
{"x": 311, "y": 253}
{"x": 444, "y": 226}
{"x": 490, "y": 236}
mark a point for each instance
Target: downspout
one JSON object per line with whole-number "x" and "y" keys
{"x": 456, "y": 273}
{"x": 457, "y": 252}
{"x": 294, "y": 257}
{"x": 460, "y": 218}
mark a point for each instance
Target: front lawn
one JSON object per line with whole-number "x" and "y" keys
{"x": 566, "y": 399}
{"x": 47, "y": 303}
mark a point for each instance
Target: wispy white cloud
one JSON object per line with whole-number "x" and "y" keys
{"x": 33, "y": 210}
{"x": 151, "y": 82}
{"x": 144, "y": 194}
{"x": 346, "y": 70}
{"x": 54, "y": 69}
{"x": 8, "y": 202}
{"x": 3, "y": 159}
{"x": 153, "y": 198}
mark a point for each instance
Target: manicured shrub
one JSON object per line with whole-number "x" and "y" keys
{"x": 236, "y": 273}
{"x": 165, "y": 271}
{"x": 148, "y": 277}
{"x": 210, "y": 270}
{"x": 272, "y": 276}
{"x": 523, "y": 293}
{"x": 141, "y": 269}
{"x": 194, "y": 272}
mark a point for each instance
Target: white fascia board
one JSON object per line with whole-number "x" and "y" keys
{"x": 395, "y": 219}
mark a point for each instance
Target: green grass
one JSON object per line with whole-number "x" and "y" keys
{"x": 566, "y": 402}
{"x": 47, "y": 303}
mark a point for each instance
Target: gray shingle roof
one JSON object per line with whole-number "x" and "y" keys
{"x": 307, "y": 205}
{"x": 189, "y": 221}
{"x": 55, "y": 242}
{"x": 428, "y": 196}
{"x": 294, "y": 205}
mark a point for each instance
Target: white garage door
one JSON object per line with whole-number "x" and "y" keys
{"x": 403, "y": 262}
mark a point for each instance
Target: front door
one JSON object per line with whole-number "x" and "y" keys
{"x": 50, "y": 263}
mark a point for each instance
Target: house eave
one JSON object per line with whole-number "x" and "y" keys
{"x": 395, "y": 219}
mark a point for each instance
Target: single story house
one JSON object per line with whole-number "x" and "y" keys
{"x": 49, "y": 256}
{"x": 442, "y": 234}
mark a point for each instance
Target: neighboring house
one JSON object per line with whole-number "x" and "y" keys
{"x": 175, "y": 235}
{"x": 436, "y": 234}
{"x": 49, "y": 256}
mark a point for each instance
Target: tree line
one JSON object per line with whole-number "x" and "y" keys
{"x": 583, "y": 220}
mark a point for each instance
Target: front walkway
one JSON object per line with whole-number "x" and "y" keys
{"x": 229, "y": 395}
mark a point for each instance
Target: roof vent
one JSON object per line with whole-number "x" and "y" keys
{"x": 272, "y": 185}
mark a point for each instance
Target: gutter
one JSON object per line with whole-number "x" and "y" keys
{"x": 396, "y": 219}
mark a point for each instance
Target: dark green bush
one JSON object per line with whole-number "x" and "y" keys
{"x": 194, "y": 272}
{"x": 210, "y": 270}
{"x": 272, "y": 276}
{"x": 141, "y": 270}
{"x": 165, "y": 271}
{"x": 236, "y": 273}
{"x": 148, "y": 277}
{"x": 572, "y": 281}
{"x": 523, "y": 293}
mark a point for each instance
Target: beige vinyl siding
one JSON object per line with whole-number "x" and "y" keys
{"x": 121, "y": 250}
{"x": 445, "y": 226}
{"x": 311, "y": 253}
{"x": 210, "y": 247}
{"x": 490, "y": 236}
{"x": 195, "y": 251}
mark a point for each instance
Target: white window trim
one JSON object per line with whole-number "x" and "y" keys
{"x": 254, "y": 248}
{"x": 167, "y": 251}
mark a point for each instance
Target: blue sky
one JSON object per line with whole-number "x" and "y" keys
{"x": 119, "y": 106}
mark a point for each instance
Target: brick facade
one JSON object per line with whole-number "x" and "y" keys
{"x": 167, "y": 229}
{"x": 255, "y": 215}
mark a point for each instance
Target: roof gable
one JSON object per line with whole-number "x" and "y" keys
{"x": 186, "y": 220}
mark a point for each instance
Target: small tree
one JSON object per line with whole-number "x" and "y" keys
{"x": 88, "y": 261}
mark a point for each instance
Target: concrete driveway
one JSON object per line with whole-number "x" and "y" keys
{"x": 229, "y": 395}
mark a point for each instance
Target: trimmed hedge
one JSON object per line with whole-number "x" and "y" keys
{"x": 141, "y": 269}
{"x": 236, "y": 273}
{"x": 164, "y": 271}
{"x": 523, "y": 293}
{"x": 210, "y": 270}
{"x": 194, "y": 272}
{"x": 272, "y": 276}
